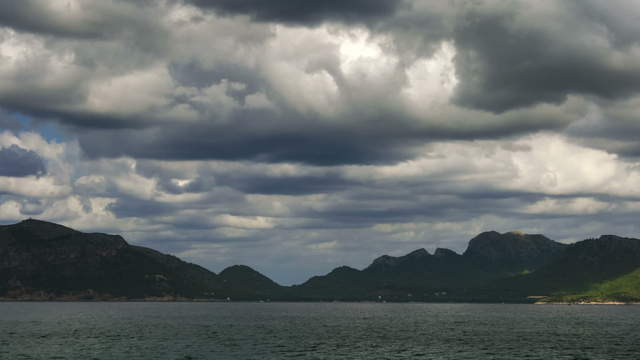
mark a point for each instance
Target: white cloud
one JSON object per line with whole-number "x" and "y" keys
{"x": 544, "y": 163}
{"x": 431, "y": 81}
{"x": 243, "y": 222}
{"x": 571, "y": 206}
{"x": 141, "y": 91}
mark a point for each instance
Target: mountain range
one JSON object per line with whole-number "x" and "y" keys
{"x": 45, "y": 261}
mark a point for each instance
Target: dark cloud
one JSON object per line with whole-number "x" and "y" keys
{"x": 83, "y": 20}
{"x": 195, "y": 75}
{"x": 32, "y": 16}
{"x": 287, "y": 185}
{"x": 18, "y": 162}
{"x": 503, "y": 64}
{"x": 304, "y": 12}
{"x": 256, "y": 138}
{"x": 130, "y": 207}
{"x": 199, "y": 112}
{"x": 613, "y": 126}
{"x": 272, "y": 137}
{"x": 618, "y": 18}
{"x": 248, "y": 178}
{"x": 367, "y": 206}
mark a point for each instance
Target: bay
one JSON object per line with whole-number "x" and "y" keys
{"x": 144, "y": 330}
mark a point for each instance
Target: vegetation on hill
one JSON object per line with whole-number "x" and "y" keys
{"x": 44, "y": 260}
{"x": 41, "y": 260}
{"x": 625, "y": 288}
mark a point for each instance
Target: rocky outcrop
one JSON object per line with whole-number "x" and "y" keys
{"x": 512, "y": 251}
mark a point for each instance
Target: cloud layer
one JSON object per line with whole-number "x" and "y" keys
{"x": 303, "y": 13}
{"x": 298, "y": 136}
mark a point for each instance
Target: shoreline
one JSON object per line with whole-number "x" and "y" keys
{"x": 586, "y": 303}
{"x": 188, "y": 300}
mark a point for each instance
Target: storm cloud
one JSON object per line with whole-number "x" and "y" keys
{"x": 18, "y": 162}
{"x": 505, "y": 60}
{"x": 305, "y": 12}
{"x": 326, "y": 94}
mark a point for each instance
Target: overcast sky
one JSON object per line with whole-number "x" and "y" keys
{"x": 296, "y": 136}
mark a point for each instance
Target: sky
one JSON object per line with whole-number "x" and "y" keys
{"x": 297, "y": 136}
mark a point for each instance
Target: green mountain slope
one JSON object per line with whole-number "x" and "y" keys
{"x": 625, "y": 288}
{"x": 600, "y": 268}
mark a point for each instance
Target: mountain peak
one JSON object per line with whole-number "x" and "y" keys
{"x": 441, "y": 252}
{"x": 31, "y": 222}
{"x": 492, "y": 238}
{"x": 344, "y": 269}
{"x": 418, "y": 253}
{"x": 512, "y": 249}
{"x": 388, "y": 260}
{"x": 244, "y": 282}
{"x": 37, "y": 230}
{"x": 384, "y": 260}
{"x": 238, "y": 269}
{"x": 487, "y": 234}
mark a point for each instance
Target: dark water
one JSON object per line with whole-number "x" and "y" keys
{"x": 316, "y": 331}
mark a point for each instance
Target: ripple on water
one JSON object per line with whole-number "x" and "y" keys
{"x": 316, "y": 331}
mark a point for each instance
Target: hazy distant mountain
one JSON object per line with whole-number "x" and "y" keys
{"x": 41, "y": 260}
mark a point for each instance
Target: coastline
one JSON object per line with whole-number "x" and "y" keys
{"x": 586, "y": 303}
{"x": 171, "y": 299}
{"x": 108, "y": 299}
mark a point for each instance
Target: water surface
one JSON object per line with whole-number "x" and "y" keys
{"x": 317, "y": 331}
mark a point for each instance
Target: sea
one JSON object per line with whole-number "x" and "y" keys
{"x": 183, "y": 330}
